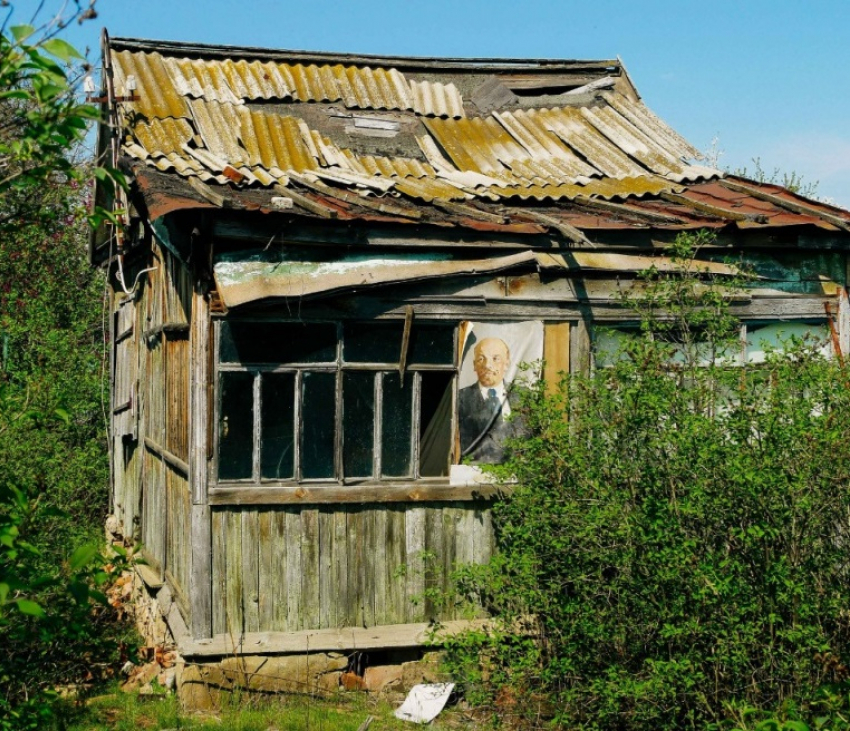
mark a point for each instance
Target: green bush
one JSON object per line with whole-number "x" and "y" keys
{"x": 56, "y": 624}
{"x": 677, "y": 537}
{"x": 53, "y": 458}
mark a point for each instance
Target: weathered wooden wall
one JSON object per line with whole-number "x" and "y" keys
{"x": 308, "y": 568}
{"x": 289, "y": 567}
{"x": 151, "y": 435}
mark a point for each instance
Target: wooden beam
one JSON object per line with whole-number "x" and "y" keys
{"x": 150, "y": 577}
{"x": 622, "y": 209}
{"x": 169, "y": 457}
{"x": 556, "y": 353}
{"x": 306, "y": 203}
{"x": 373, "y": 204}
{"x": 172, "y": 616}
{"x": 351, "y": 494}
{"x": 571, "y": 233}
{"x": 580, "y": 347}
{"x": 461, "y": 209}
{"x": 200, "y": 544}
{"x": 712, "y": 210}
{"x": 344, "y": 639}
{"x": 794, "y": 206}
{"x": 208, "y": 194}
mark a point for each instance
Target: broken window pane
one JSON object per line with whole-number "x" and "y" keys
{"x": 372, "y": 342}
{"x": 236, "y": 426}
{"x": 277, "y": 449}
{"x": 318, "y": 425}
{"x": 277, "y": 342}
{"x": 396, "y": 457}
{"x": 435, "y": 424}
{"x": 358, "y": 418}
{"x": 432, "y": 344}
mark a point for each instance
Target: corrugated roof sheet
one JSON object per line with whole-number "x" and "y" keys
{"x": 242, "y": 121}
{"x": 238, "y": 81}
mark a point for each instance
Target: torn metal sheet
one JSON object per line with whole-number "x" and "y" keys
{"x": 289, "y": 273}
{"x": 629, "y": 263}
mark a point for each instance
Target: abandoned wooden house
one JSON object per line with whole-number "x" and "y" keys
{"x": 321, "y": 253}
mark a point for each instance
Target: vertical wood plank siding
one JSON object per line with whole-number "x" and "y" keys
{"x": 177, "y": 518}
{"x": 127, "y": 481}
{"x": 286, "y": 569}
{"x": 152, "y": 496}
{"x": 177, "y": 395}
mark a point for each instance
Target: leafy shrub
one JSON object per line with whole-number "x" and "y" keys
{"x": 676, "y": 539}
{"x": 55, "y": 621}
{"x": 53, "y": 471}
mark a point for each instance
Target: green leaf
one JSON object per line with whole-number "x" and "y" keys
{"x": 21, "y": 32}
{"x": 82, "y": 556}
{"x": 64, "y": 415}
{"x": 27, "y": 606}
{"x": 61, "y": 49}
{"x": 4, "y": 592}
{"x": 79, "y": 591}
{"x": 99, "y": 596}
{"x": 14, "y": 94}
{"x": 48, "y": 92}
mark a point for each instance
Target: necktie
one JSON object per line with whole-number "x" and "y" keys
{"x": 493, "y": 404}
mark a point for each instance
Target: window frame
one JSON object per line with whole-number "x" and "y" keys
{"x": 747, "y": 328}
{"x": 338, "y": 367}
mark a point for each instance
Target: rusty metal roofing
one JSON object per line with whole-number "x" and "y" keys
{"x": 491, "y": 145}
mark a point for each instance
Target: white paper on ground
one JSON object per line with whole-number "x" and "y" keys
{"x": 424, "y": 702}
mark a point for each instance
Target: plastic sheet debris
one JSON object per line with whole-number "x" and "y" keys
{"x": 424, "y": 702}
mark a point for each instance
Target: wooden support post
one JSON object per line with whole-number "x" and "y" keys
{"x": 200, "y": 577}
{"x": 580, "y": 348}
{"x": 556, "y": 353}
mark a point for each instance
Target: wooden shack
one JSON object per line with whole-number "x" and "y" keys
{"x": 309, "y": 247}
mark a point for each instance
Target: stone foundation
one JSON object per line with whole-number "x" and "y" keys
{"x": 204, "y": 685}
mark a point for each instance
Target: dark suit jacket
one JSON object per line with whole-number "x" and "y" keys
{"x": 482, "y": 433}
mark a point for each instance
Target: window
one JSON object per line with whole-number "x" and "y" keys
{"x": 328, "y": 402}
{"x": 756, "y": 338}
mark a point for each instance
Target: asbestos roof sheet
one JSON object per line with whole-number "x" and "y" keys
{"x": 254, "y": 121}
{"x": 167, "y": 80}
{"x": 405, "y": 139}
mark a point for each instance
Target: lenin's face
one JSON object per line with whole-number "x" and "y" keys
{"x": 491, "y": 361}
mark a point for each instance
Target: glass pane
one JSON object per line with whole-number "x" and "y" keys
{"x": 318, "y": 423}
{"x": 358, "y": 423}
{"x": 435, "y": 424}
{"x": 431, "y": 344}
{"x": 372, "y": 342}
{"x": 776, "y": 335}
{"x": 277, "y": 342}
{"x": 277, "y": 449}
{"x": 236, "y": 426}
{"x": 396, "y": 424}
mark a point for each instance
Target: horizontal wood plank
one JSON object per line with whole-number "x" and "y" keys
{"x": 304, "y": 495}
{"x": 329, "y": 640}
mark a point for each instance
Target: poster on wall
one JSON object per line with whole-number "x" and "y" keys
{"x": 491, "y": 355}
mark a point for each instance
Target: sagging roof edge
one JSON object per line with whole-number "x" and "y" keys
{"x": 424, "y": 63}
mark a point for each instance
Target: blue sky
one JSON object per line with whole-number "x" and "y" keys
{"x": 770, "y": 80}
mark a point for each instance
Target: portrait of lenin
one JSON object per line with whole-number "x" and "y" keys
{"x": 484, "y": 407}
